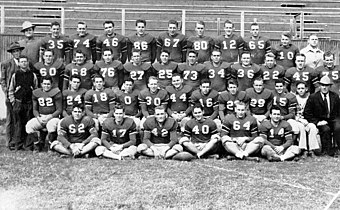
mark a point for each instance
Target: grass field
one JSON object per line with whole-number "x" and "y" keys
{"x": 49, "y": 182}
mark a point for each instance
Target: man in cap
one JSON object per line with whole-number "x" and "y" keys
{"x": 322, "y": 109}
{"x": 8, "y": 68}
{"x": 30, "y": 43}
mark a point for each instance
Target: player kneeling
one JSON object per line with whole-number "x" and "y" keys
{"x": 77, "y": 135}
{"x": 122, "y": 132}
{"x": 200, "y": 135}
{"x": 240, "y": 134}
{"x": 160, "y": 137}
{"x": 278, "y": 138}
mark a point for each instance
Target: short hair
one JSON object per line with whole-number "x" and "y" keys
{"x": 328, "y": 54}
{"x": 55, "y": 23}
{"x": 165, "y": 51}
{"x": 313, "y": 34}
{"x": 120, "y": 106}
{"x": 216, "y": 50}
{"x": 232, "y": 82}
{"x": 258, "y": 79}
{"x": 302, "y": 82}
{"x": 229, "y": 22}
{"x": 79, "y": 106}
{"x": 82, "y": 23}
{"x": 109, "y": 22}
{"x": 140, "y": 21}
{"x": 279, "y": 81}
{"x": 135, "y": 50}
{"x": 270, "y": 54}
{"x": 107, "y": 49}
{"x": 173, "y": 22}
{"x": 192, "y": 51}
{"x": 197, "y": 106}
{"x": 300, "y": 54}
{"x": 97, "y": 76}
{"x": 159, "y": 108}
{"x": 23, "y": 56}
{"x": 239, "y": 103}
{"x": 245, "y": 52}
{"x": 129, "y": 80}
{"x": 275, "y": 107}
{"x": 201, "y": 22}
{"x": 176, "y": 75}
{"x": 205, "y": 80}
{"x": 47, "y": 77}
{"x": 254, "y": 24}
{"x": 75, "y": 76}
{"x": 152, "y": 78}
{"x": 79, "y": 51}
{"x": 287, "y": 34}
{"x": 49, "y": 50}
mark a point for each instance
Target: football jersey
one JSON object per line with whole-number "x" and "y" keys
{"x": 209, "y": 102}
{"x": 258, "y": 48}
{"x": 236, "y": 127}
{"x": 272, "y": 74}
{"x": 60, "y": 47}
{"x": 287, "y": 103}
{"x": 218, "y": 75}
{"x": 333, "y": 74}
{"x": 192, "y": 75}
{"x": 146, "y": 44}
{"x": 245, "y": 75}
{"x": 47, "y": 101}
{"x": 230, "y": 47}
{"x": 179, "y": 99}
{"x": 260, "y": 103}
{"x": 76, "y": 132}
{"x": 280, "y": 135}
{"x": 164, "y": 72}
{"x": 56, "y": 71}
{"x": 100, "y": 102}
{"x": 152, "y": 100}
{"x": 112, "y": 72}
{"x": 130, "y": 101}
{"x": 72, "y": 97}
{"x": 117, "y": 43}
{"x": 119, "y": 134}
{"x": 160, "y": 134}
{"x": 176, "y": 45}
{"x": 85, "y": 71}
{"x": 307, "y": 75}
{"x": 203, "y": 46}
{"x": 200, "y": 131}
{"x": 227, "y": 101}
{"x": 285, "y": 55}
{"x": 140, "y": 74}
{"x": 86, "y": 44}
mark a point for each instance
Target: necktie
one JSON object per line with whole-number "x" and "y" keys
{"x": 326, "y": 103}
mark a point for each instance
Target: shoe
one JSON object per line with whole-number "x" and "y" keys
{"x": 214, "y": 156}
{"x": 142, "y": 157}
{"x": 296, "y": 158}
{"x": 255, "y": 159}
{"x": 64, "y": 156}
{"x": 274, "y": 159}
{"x": 231, "y": 157}
{"x": 312, "y": 154}
{"x": 304, "y": 154}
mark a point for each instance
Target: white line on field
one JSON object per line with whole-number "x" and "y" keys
{"x": 333, "y": 199}
{"x": 273, "y": 180}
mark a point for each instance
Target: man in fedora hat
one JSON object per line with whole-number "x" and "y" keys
{"x": 322, "y": 109}
{"x": 30, "y": 43}
{"x": 8, "y": 68}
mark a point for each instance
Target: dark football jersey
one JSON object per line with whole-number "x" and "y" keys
{"x": 146, "y": 44}
{"x": 227, "y": 101}
{"x": 258, "y": 48}
{"x": 110, "y": 71}
{"x": 140, "y": 74}
{"x": 179, "y": 99}
{"x": 152, "y": 100}
{"x": 260, "y": 103}
{"x": 56, "y": 71}
{"x": 270, "y": 75}
{"x": 176, "y": 45}
{"x": 307, "y": 75}
{"x": 76, "y": 132}
{"x": 47, "y": 101}
{"x": 236, "y": 127}
{"x": 86, "y": 44}
{"x": 192, "y": 75}
{"x": 285, "y": 56}
{"x": 117, "y": 43}
{"x": 71, "y": 97}
{"x": 287, "y": 103}
{"x": 202, "y": 45}
{"x": 130, "y": 101}
{"x": 245, "y": 75}
{"x": 100, "y": 102}
{"x": 230, "y": 47}
{"x": 85, "y": 71}
{"x": 60, "y": 46}
{"x": 160, "y": 134}
{"x": 164, "y": 73}
{"x": 119, "y": 134}
{"x": 218, "y": 75}
{"x": 200, "y": 131}
{"x": 209, "y": 102}
{"x": 277, "y": 135}
{"x": 333, "y": 74}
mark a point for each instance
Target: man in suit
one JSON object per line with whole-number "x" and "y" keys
{"x": 322, "y": 109}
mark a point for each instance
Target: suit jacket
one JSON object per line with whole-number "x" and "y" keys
{"x": 316, "y": 110}
{"x": 8, "y": 68}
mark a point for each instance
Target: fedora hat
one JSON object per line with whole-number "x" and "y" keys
{"x": 325, "y": 80}
{"x": 26, "y": 25}
{"x": 14, "y": 46}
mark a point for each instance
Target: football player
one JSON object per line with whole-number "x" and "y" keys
{"x": 77, "y": 135}
{"x": 160, "y": 137}
{"x": 277, "y": 135}
{"x": 201, "y": 137}
{"x": 218, "y": 72}
{"x": 240, "y": 134}
{"x": 47, "y": 107}
{"x": 143, "y": 42}
{"x": 58, "y": 43}
{"x": 84, "y": 42}
{"x": 173, "y": 42}
{"x": 164, "y": 69}
{"x": 202, "y": 45}
{"x": 82, "y": 68}
{"x": 271, "y": 71}
{"x": 230, "y": 44}
{"x": 116, "y": 42}
{"x": 245, "y": 72}
{"x": 258, "y": 45}
{"x": 118, "y": 136}
{"x": 285, "y": 52}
